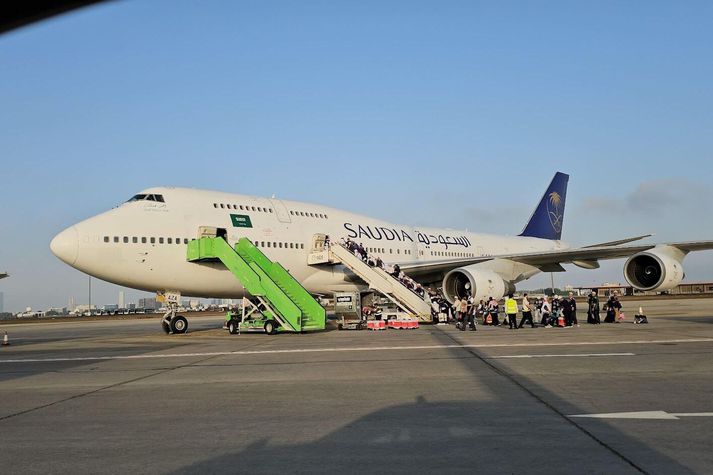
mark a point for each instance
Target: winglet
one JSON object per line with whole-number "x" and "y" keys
{"x": 546, "y": 221}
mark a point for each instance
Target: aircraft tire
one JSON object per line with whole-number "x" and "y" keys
{"x": 179, "y": 324}
{"x": 166, "y": 327}
{"x": 269, "y": 327}
{"x": 233, "y": 327}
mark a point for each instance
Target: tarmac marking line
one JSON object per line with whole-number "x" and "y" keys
{"x": 570, "y": 355}
{"x": 336, "y": 350}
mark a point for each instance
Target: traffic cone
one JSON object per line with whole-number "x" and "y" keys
{"x": 5, "y": 340}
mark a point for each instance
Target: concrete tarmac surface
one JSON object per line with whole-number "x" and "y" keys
{"x": 120, "y": 397}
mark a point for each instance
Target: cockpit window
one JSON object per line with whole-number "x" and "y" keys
{"x": 144, "y": 197}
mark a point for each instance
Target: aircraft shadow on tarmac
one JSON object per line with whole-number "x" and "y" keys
{"x": 520, "y": 432}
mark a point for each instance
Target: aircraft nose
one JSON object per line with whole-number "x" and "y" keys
{"x": 65, "y": 245}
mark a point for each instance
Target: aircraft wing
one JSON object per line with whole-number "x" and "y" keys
{"x": 3, "y": 275}
{"x": 549, "y": 261}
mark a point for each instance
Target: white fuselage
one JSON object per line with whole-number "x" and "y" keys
{"x": 142, "y": 244}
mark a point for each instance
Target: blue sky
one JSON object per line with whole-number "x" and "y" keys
{"x": 435, "y": 113}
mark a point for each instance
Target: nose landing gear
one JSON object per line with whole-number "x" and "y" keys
{"x": 172, "y": 323}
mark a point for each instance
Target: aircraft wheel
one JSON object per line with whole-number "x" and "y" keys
{"x": 340, "y": 326}
{"x": 232, "y": 327}
{"x": 179, "y": 324}
{"x": 166, "y": 327}
{"x": 269, "y": 327}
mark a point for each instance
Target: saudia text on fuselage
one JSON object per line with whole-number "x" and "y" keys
{"x": 378, "y": 233}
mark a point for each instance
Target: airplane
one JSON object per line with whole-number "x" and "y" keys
{"x": 142, "y": 244}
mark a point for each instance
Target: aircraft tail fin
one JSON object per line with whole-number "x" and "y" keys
{"x": 546, "y": 221}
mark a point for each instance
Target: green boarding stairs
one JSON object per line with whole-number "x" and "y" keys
{"x": 283, "y": 296}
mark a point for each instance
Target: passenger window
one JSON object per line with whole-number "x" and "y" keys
{"x": 143, "y": 240}
{"x": 268, "y": 243}
{"x": 269, "y": 209}
{"x": 116, "y": 238}
{"x": 222, "y": 205}
{"x": 178, "y": 240}
{"x": 253, "y": 208}
{"x": 135, "y": 240}
{"x": 259, "y": 209}
{"x": 169, "y": 240}
{"x": 292, "y": 246}
{"x": 106, "y": 238}
{"x": 292, "y": 213}
{"x": 215, "y": 205}
{"x": 185, "y": 240}
{"x": 126, "y": 240}
{"x": 326, "y": 217}
{"x": 160, "y": 240}
{"x": 280, "y": 245}
{"x": 153, "y": 240}
{"x": 241, "y": 207}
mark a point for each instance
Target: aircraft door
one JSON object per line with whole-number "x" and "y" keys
{"x": 281, "y": 212}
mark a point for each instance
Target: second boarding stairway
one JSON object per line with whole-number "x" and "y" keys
{"x": 383, "y": 282}
{"x": 282, "y": 295}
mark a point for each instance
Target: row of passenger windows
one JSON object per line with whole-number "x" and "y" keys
{"x": 308, "y": 215}
{"x": 145, "y": 240}
{"x": 279, "y": 245}
{"x": 381, "y": 250}
{"x": 242, "y": 208}
{"x": 451, "y": 254}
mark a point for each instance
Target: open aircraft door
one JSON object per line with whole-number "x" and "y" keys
{"x": 283, "y": 215}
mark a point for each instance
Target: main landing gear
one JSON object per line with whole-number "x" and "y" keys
{"x": 172, "y": 323}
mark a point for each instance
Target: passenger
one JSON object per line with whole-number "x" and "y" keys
{"x": 566, "y": 306}
{"x": 573, "y": 310}
{"x": 613, "y": 309}
{"x": 379, "y": 262}
{"x": 593, "y": 309}
{"x": 463, "y": 313}
{"x": 480, "y": 311}
{"x": 546, "y": 312}
{"x": 397, "y": 271}
{"x": 526, "y": 312}
{"x": 556, "y": 310}
{"x": 456, "y": 307}
{"x": 326, "y": 241}
{"x": 493, "y": 311}
{"x": 511, "y": 312}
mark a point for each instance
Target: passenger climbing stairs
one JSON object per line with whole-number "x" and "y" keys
{"x": 383, "y": 282}
{"x": 282, "y": 296}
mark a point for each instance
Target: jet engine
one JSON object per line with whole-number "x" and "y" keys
{"x": 657, "y": 269}
{"x": 478, "y": 282}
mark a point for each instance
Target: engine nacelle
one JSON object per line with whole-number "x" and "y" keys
{"x": 660, "y": 268}
{"x": 475, "y": 281}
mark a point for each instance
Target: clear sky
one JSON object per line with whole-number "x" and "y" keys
{"x": 442, "y": 113}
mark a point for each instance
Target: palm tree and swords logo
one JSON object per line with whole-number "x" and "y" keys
{"x": 554, "y": 212}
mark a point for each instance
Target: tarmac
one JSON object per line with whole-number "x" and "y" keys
{"x": 120, "y": 396}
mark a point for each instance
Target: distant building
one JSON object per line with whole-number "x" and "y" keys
{"x": 122, "y": 299}
{"x": 2, "y": 302}
{"x": 148, "y": 303}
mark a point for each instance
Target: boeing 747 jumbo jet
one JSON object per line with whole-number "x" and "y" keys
{"x": 142, "y": 244}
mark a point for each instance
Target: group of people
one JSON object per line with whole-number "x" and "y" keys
{"x": 360, "y": 251}
{"x": 555, "y": 312}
